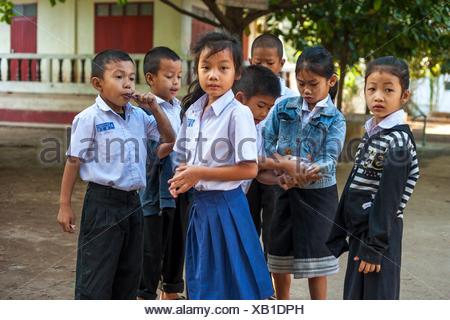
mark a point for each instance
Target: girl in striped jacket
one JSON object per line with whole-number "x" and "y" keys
{"x": 370, "y": 211}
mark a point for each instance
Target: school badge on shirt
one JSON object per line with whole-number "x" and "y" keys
{"x": 190, "y": 122}
{"x": 104, "y": 126}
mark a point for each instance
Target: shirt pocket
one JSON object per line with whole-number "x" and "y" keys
{"x": 358, "y": 207}
{"x": 286, "y": 135}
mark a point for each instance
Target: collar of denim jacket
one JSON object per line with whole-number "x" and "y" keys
{"x": 328, "y": 111}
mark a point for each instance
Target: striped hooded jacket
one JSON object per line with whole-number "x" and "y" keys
{"x": 376, "y": 193}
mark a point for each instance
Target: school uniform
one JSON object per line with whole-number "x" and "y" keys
{"x": 165, "y": 219}
{"x": 303, "y": 216}
{"x": 371, "y": 209}
{"x": 112, "y": 150}
{"x": 224, "y": 259}
{"x": 261, "y": 197}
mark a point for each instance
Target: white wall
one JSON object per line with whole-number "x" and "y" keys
{"x": 421, "y": 94}
{"x": 56, "y": 27}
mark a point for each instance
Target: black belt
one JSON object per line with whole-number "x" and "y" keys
{"x": 110, "y": 190}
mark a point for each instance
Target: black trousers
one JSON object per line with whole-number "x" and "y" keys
{"x": 261, "y": 200}
{"x": 384, "y": 285}
{"x": 164, "y": 248}
{"x": 109, "y": 257}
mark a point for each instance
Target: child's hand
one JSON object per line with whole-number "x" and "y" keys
{"x": 312, "y": 173}
{"x": 367, "y": 267}
{"x": 286, "y": 182}
{"x": 302, "y": 173}
{"x": 66, "y": 218}
{"x": 184, "y": 179}
{"x": 146, "y": 101}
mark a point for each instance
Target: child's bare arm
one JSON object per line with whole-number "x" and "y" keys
{"x": 66, "y": 217}
{"x": 148, "y": 102}
{"x": 187, "y": 177}
{"x": 164, "y": 149}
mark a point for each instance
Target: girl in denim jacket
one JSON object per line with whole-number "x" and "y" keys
{"x": 311, "y": 129}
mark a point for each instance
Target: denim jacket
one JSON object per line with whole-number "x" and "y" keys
{"x": 321, "y": 139}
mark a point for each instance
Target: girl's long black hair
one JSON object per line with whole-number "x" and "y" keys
{"x": 319, "y": 61}
{"x": 214, "y": 42}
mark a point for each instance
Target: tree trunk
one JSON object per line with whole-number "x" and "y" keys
{"x": 343, "y": 69}
{"x": 236, "y": 16}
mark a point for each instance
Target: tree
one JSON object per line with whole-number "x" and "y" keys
{"x": 236, "y": 19}
{"x": 7, "y": 9}
{"x": 230, "y": 18}
{"x": 357, "y": 29}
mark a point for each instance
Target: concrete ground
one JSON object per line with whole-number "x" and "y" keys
{"x": 37, "y": 260}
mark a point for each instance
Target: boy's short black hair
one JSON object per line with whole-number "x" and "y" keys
{"x": 258, "y": 80}
{"x": 101, "y": 59}
{"x": 153, "y": 58}
{"x": 268, "y": 40}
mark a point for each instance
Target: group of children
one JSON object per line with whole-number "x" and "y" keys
{"x": 194, "y": 183}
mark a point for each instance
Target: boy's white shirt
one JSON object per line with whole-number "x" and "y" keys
{"x": 119, "y": 145}
{"x": 173, "y": 111}
{"x": 261, "y": 153}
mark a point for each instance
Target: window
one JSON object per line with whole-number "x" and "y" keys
{"x": 128, "y": 27}
{"x": 26, "y": 10}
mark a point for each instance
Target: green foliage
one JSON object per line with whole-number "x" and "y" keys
{"x": 6, "y": 11}
{"x": 368, "y": 28}
{"x": 54, "y": 2}
{"x": 410, "y": 29}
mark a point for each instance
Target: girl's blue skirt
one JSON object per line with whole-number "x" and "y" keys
{"x": 224, "y": 259}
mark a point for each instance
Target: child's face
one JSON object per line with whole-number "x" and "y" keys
{"x": 166, "y": 83}
{"x": 313, "y": 87}
{"x": 216, "y": 73}
{"x": 269, "y": 58}
{"x": 117, "y": 84}
{"x": 259, "y": 105}
{"x": 384, "y": 95}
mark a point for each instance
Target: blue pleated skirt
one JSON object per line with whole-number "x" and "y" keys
{"x": 224, "y": 259}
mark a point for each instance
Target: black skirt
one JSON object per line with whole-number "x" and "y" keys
{"x": 300, "y": 227}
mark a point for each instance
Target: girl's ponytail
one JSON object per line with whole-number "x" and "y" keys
{"x": 334, "y": 90}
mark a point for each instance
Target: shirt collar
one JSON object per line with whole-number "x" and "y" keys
{"x": 198, "y": 105}
{"x": 104, "y": 106}
{"x": 220, "y": 104}
{"x": 159, "y": 100}
{"x": 394, "y": 119}
{"x": 282, "y": 86}
{"x": 321, "y": 104}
